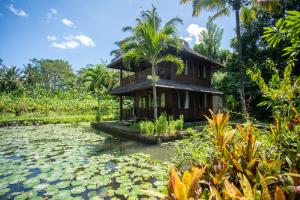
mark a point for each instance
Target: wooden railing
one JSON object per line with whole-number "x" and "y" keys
{"x": 127, "y": 114}
{"x": 142, "y": 75}
{"x": 128, "y": 80}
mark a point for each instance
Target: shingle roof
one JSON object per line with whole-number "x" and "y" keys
{"x": 118, "y": 64}
{"x": 162, "y": 83}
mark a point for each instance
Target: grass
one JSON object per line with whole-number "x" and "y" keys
{"x": 10, "y": 120}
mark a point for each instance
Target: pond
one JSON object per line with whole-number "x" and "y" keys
{"x": 72, "y": 161}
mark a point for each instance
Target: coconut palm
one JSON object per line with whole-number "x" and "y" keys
{"x": 148, "y": 42}
{"x": 223, "y": 7}
{"x": 99, "y": 80}
{"x": 10, "y": 78}
{"x": 212, "y": 36}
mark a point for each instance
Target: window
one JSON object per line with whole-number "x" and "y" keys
{"x": 186, "y": 68}
{"x": 140, "y": 102}
{"x": 183, "y": 100}
{"x": 202, "y": 71}
{"x": 201, "y": 100}
{"x": 163, "y": 100}
{"x": 150, "y": 101}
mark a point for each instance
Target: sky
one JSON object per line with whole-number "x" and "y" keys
{"x": 84, "y": 31}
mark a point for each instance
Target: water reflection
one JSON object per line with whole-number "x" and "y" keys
{"x": 122, "y": 146}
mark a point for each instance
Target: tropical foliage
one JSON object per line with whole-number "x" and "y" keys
{"x": 238, "y": 170}
{"x": 49, "y": 88}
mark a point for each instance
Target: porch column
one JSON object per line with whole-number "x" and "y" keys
{"x": 121, "y": 77}
{"x": 121, "y": 108}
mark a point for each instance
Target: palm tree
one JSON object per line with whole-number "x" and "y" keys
{"x": 222, "y": 7}
{"x": 212, "y": 36}
{"x": 148, "y": 41}
{"x": 10, "y": 78}
{"x": 98, "y": 80}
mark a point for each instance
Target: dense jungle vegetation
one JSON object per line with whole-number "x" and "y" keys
{"x": 50, "y": 90}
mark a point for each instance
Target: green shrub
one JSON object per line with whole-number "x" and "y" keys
{"x": 179, "y": 123}
{"x": 161, "y": 124}
{"x": 147, "y": 127}
{"x": 172, "y": 127}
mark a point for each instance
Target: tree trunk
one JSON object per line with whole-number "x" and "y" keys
{"x": 283, "y": 8}
{"x": 240, "y": 63}
{"x": 154, "y": 91}
{"x": 98, "y": 109}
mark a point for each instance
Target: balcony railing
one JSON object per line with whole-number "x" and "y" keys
{"x": 142, "y": 75}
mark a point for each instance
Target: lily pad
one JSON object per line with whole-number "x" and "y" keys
{"x": 78, "y": 190}
{"x": 4, "y": 191}
{"x": 63, "y": 184}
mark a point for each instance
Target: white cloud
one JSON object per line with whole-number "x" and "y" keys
{"x": 194, "y": 31}
{"x": 187, "y": 39}
{"x": 18, "y": 12}
{"x": 67, "y": 22}
{"x": 52, "y": 12}
{"x": 68, "y": 44}
{"x": 84, "y": 40}
{"x": 73, "y": 41}
{"x": 51, "y": 37}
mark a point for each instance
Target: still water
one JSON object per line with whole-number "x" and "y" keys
{"x": 72, "y": 161}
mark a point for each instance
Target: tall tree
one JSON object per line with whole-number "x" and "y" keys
{"x": 148, "y": 41}
{"x": 211, "y": 41}
{"x": 222, "y": 7}
{"x": 49, "y": 74}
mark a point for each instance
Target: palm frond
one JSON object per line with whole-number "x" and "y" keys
{"x": 174, "y": 21}
{"x": 223, "y": 12}
{"x": 173, "y": 59}
{"x": 127, "y": 29}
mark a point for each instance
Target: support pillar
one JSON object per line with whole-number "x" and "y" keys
{"x": 121, "y": 108}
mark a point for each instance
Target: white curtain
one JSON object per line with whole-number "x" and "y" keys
{"x": 187, "y": 100}
{"x": 186, "y": 69}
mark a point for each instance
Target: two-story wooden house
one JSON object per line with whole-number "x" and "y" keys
{"x": 189, "y": 93}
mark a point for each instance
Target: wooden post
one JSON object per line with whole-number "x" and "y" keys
{"x": 121, "y": 77}
{"x": 121, "y": 108}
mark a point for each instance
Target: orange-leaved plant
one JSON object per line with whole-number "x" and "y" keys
{"x": 220, "y": 135}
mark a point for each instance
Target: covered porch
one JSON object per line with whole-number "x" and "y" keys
{"x": 175, "y": 99}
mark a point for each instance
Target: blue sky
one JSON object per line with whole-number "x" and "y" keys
{"x": 84, "y": 31}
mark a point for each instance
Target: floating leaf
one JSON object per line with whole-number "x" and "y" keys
{"x": 78, "y": 190}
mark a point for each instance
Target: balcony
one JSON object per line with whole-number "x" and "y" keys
{"x": 142, "y": 75}
{"x": 138, "y": 76}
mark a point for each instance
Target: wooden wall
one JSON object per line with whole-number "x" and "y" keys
{"x": 193, "y": 113}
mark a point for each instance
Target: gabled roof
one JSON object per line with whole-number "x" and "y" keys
{"x": 118, "y": 64}
{"x": 162, "y": 83}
